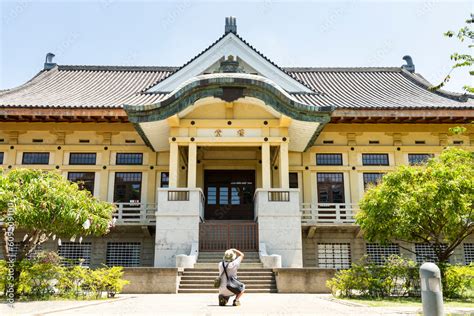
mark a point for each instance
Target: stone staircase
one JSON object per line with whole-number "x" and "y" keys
{"x": 251, "y": 272}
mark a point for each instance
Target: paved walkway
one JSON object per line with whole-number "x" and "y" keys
{"x": 206, "y": 304}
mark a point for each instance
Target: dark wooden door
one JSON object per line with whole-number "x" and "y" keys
{"x": 229, "y": 194}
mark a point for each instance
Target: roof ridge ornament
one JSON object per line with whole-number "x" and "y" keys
{"x": 48, "y": 62}
{"x": 410, "y": 66}
{"x": 230, "y": 65}
{"x": 230, "y": 25}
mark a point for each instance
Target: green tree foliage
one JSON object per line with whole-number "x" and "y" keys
{"x": 46, "y": 205}
{"x": 461, "y": 60}
{"x": 430, "y": 203}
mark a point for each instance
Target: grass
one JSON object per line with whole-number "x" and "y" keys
{"x": 408, "y": 301}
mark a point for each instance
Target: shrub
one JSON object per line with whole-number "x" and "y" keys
{"x": 398, "y": 277}
{"x": 458, "y": 280}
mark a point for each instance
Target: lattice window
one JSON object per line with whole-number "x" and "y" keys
{"x": 468, "y": 253}
{"x": 329, "y": 159}
{"x": 418, "y": 159}
{"x": 426, "y": 253}
{"x": 378, "y": 253}
{"x": 82, "y": 158}
{"x": 125, "y": 254}
{"x": 75, "y": 253}
{"x": 375, "y": 159}
{"x": 14, "y": 250}
{"x": 372, "y": 179}
{"x": 128, "y": 187}
{"x": 334, "y": 255}
{"x": 35, "y": 158}
{"x": 129, "y": 159}
{"x": 85, "y": 180}
{"x": 165, "y": 180}
{"x": 1, "y": 158}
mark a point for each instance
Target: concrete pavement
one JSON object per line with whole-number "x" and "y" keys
{"x": 206, "y": 304}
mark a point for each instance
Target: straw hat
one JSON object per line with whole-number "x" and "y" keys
{"x": 229, "y": 255}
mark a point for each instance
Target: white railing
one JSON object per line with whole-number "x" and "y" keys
{"x": 135, "y": 214}
{"x": 328, "y": 213}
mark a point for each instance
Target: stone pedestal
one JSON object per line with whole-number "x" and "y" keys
{"x": 177, "y": 224}
{"x": 279, "y": 224}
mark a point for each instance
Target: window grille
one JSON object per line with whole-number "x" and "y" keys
{"x": 426, "y": 253}
{"x": 329, "y": 159}
{"x": 129, "y": 159}
{"x": 1, "y": 158}
{"x": 82, "y": 158}
{"x": 372, "y": 178}
{"x": 85, "y": 180}
{"x": 32, "y": 255}
{"x": 333, "y": 255}
{"x": 375, "y": 159}
{"x": 417, "y": 159}
{"x": 74, "y": 253}
{"x": 165, "y": 180}
{"x": 468, "y": 253}
{"x": 378, "y": 253}
{"x": 125, "y": 254}
{"x": 35, "y": 158}
{"x": 293, "y": 177}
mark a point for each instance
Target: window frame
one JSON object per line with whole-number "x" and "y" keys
{"x": 327, "y": 161}
{"x": 38, "y": 153}
{"x": 369, "y": 163}
{"x": 74, "y": 163}
{"x": 414, "y": 163}
{"x": 127, "y": 191}
{"x": 128, "y": 161}
{"x": 90, "y": 189}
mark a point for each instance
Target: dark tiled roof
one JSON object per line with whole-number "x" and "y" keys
{"x": 113, "y": 86}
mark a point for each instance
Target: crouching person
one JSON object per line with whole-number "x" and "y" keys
{"x": 229, "y": 283}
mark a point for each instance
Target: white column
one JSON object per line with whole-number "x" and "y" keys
{"x": 284, "y": 166}
{"x": 174, "y": 159}
{"x": 192, "y": 153}
{"x": 266, "y": 168}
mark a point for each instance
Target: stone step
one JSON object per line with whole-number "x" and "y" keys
{"x": 242, "y": 266}
{"x": 246, "y": 281}
{"x": 240, "y": 272}
{"x": 216, "y": 291}
{"x": 211, "y": 287}
{"x": 211, "y": 278}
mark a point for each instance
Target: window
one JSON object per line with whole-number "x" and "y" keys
{"x": 75, "y": 253}
{"x": 128, "y": 187}
{"x": 1, "y": 158}
{"x": 125, "y": 254}
{"x": 418, "y": 159}
{"x": 330, "y": 187}
{"x": 334, "y": 256}
{"x": 375, "y": 159}
{"x": 378, "y": 253}
{"x": 85, "y": 180}
{"x": 371, "y": 178}
{"x": 35, "y": 158}
{"x": 293, "y": 180}
{"x": 426, "y": 253}
{"x": 468, "y": 253}
{"x": 329, "y": 159}
{"x": 82, "y": 158}
{"x": 165, "y": 180}
{"x": 129, "y": 159}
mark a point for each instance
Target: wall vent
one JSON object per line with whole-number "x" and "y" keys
{"x": 130, "y": 141}
{"x": 84, "y": 141}
{"x": 372, "y": 142}
{"x": 420, "y": 142}
{"x": 328, "y": 142}
{"x": 37, "y": 140}
{"x": 458, "y": 142}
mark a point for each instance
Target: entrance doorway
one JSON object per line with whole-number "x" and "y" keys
{"x": 229, "y": 194}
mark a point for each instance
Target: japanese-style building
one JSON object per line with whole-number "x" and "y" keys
{"x": 230, "y": 150}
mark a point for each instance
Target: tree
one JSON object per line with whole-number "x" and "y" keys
{"x": 429, "y": 203}
{"x": 46, "y": 205}
{"x": 461, "y": 60}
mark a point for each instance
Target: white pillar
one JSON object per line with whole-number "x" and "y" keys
{"x": 284, "y": 166}
{"x": 174, "y": 160}
{"x": 266, "y": 168}
{"x": 192, "y": 153}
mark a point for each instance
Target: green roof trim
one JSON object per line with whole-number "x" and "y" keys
{"x": 227, "y": 88}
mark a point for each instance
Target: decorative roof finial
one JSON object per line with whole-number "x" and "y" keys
{"x": 410, "y": 66}
{"x": 230, "y": 25}
{"x": 48, "y": 63}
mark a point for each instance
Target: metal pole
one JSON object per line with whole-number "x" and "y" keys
{"x": 431, "y": 290}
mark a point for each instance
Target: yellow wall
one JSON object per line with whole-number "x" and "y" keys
{"x": 106, "y": 139}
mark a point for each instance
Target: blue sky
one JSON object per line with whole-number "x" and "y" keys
{"x": 165, "y": 33}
